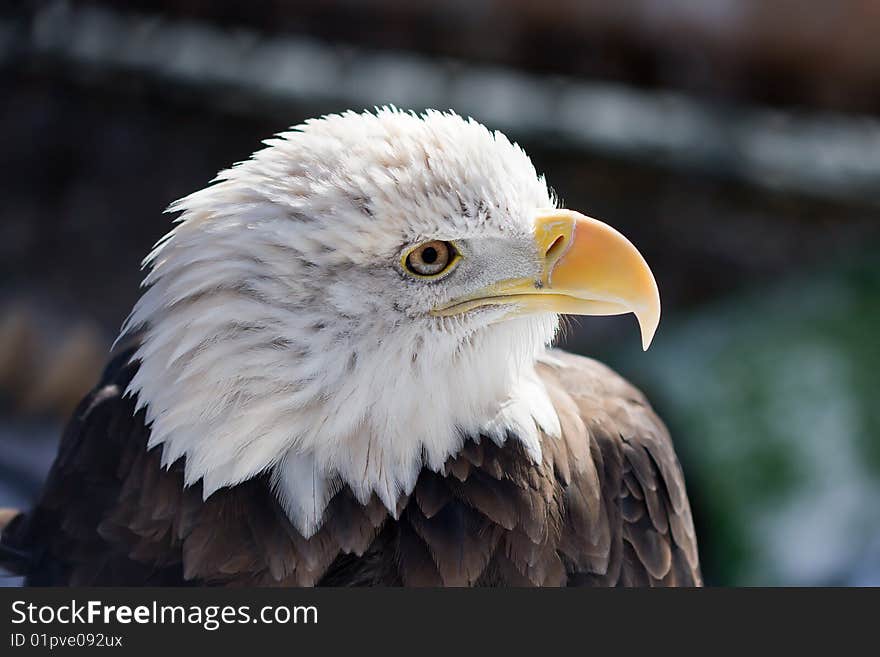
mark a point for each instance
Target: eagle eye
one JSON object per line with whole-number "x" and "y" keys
{"x": 431, "y": 259}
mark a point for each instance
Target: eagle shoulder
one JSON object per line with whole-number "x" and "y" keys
{"x": 619, "y": 453}
{"x": 110, "y": 514}
{"x": 59, "y": 540}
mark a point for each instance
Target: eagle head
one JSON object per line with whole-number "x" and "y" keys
{"x": 351, "y": 303}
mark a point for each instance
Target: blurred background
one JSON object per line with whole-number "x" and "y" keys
{"x": 736, "y": 142}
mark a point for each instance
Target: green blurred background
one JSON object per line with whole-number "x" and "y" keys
{"x": 736, "y": 142}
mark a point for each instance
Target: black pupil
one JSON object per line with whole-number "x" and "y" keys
{"x": 429, "y": 255}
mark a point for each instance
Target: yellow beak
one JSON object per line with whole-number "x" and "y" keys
{"x": 588, "y": 268}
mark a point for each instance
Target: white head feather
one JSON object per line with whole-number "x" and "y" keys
{"x": 281, "y": 335}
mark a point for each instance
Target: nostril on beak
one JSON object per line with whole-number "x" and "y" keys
{"x": 555, "y": 249}
{"x": 554, "y": 236}
{"x": 551, "y": 256}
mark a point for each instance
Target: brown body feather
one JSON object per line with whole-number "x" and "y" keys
{"x": 606, "y": 506}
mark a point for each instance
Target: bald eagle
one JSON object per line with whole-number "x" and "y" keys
{"x": 339, "y": 374}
